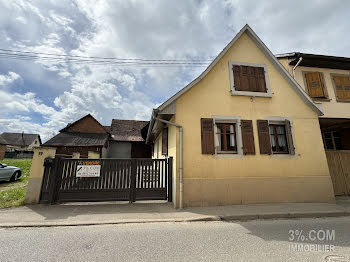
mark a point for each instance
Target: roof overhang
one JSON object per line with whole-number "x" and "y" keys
{"x": 320, "y": 61}
{"x": 155, "y": 126}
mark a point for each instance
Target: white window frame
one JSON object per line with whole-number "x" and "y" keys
{"x": 229, "y": 120}
{"x": 247, "y": 93}
{"x": 282, "y": 121}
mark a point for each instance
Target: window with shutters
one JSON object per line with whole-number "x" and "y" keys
{"x": 226, "y": 138}
{"x": 249, "y": 79}
{"x": 276, "y": 137}
{"x": 341, "y": 84}
{"x": 315, "y": 85}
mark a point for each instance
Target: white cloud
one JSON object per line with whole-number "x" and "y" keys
{"x": 22, "y": 125}
{"x": 9, "y": 78}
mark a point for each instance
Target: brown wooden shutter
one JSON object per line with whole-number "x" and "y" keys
{"x": 342, "y": 87}
{"x": 207, "y": 136}
{"x": 315, "y": 84}
{"x": 260, "y": 79}
{"x": 248, "y": 137}
{"x": 241, "y": 77}
{"x": 165, "y": 141}
{"x": 264, "y": 137}
{"x": 291, "y": 147}
{"x": 249, "y": 78}
{"x": 237, "y": 77}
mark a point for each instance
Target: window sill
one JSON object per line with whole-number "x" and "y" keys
{"x": 343, "y": 101}
{"x": 227, "y": 152}
{"x": 321, "y": 99}
{"x": 227, "y": 155}
{"x": 284, "y": 156}
{"x": 247, "y": 93}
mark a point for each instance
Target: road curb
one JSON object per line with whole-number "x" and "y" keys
{"x": 179, "y": 220}
{"x": 285, "y": 216}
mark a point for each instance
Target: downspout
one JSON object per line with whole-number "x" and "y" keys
{"x": 295, "y": 67}
{"x": 180, "y": 168}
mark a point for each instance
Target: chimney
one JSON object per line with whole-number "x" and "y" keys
{"x": 23, "y": 138}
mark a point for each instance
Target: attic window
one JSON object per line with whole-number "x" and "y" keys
{"x": 249, "y": 79}
{"x": 315, "y": 84}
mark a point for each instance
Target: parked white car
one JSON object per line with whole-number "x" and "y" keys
{"x": 9, "y": 173}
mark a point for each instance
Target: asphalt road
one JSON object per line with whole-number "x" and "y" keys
{"x": 266, "y": 240}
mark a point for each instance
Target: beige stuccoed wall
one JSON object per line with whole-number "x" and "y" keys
{"x": 76, "y": 155}
{"x": 173, "y": 140}
{"x": 332, "y": 108}
{"x": 36, "y": 173}
{"x": 255, "y": 178}
{"x": 93, "y": 155}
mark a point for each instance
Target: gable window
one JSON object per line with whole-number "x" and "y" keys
{"x": 275, "y": 137}
{"x": 342, "y": 87}
{"x": 226, "y": 138}
{"x": 249, "y": 79}
{"x": 315, "y": 84}
{"x": 332, "y": 140}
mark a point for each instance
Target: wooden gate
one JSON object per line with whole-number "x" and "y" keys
{"x": 339, "y": 168}
{"x": 117, "y": 179}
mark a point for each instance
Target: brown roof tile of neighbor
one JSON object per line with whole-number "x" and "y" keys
{"x": 127, "y": 130}
{"x": 2, "y": 141}
{"x": 108, "y": 128}
{"x": 19, "y": 139}
{"x": 77, "y": 139}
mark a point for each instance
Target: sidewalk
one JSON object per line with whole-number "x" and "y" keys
{"x": 75, "y": 214}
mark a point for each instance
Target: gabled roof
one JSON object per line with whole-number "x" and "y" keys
{"x": 75, "y": 122}
{"x": 246, "y": 29}
{"x": 77, "y": 139}
{"x": 127, "y": 130}
{"x": 2, "y": 141}
{"x": 19, "y": 139}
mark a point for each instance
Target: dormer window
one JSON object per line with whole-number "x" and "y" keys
{"x": 249, "y": 80}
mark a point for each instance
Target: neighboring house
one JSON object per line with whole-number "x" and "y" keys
{"x": 127, "y": 141}
{"x": 3, "y": 144}
{"x": 21, "y": 141}
{"x": 84, "y": 138}
{"x": 20, "y": 145}
{"x": 326, "y": 79}
{"x": 243, "y": 132}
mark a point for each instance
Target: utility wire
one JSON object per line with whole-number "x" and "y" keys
{"x": 99, "y": 62}
{"x": 51, "y": 55}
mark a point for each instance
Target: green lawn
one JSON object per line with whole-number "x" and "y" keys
{"x": 13, "y": 193}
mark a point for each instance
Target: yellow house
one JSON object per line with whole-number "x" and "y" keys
{"x": 243, "y": 132}
{"x": 326, "y": 79}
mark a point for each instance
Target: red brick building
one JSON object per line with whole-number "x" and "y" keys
{"x": 3, "y": 144}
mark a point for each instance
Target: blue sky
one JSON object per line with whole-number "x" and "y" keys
{"x": 43, "y": 97}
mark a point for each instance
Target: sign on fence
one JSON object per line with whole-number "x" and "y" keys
{"x": 88, "y": 169}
